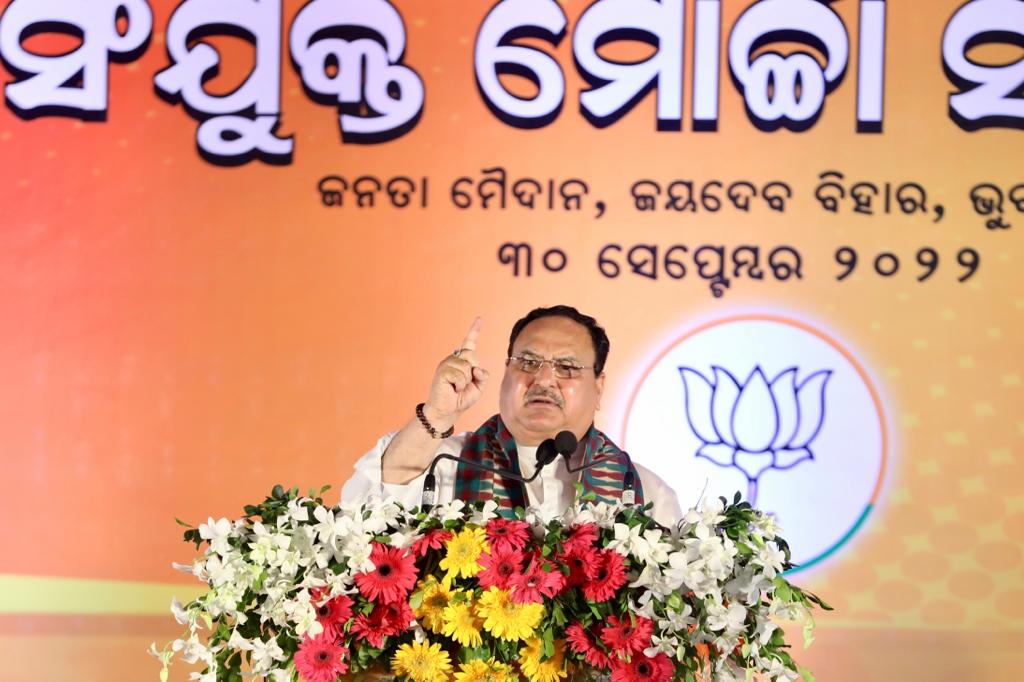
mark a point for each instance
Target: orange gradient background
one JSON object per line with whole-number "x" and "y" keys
{"x": 178, "y": 337}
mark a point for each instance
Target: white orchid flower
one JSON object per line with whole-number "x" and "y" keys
{"x": 484, "y": 514}
{"x": 217, "y": 533}
{"x": 771, "y": 558}
{"x": 297, "y": 511}
{"x": 265, "y": 655}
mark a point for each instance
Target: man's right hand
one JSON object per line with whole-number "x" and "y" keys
{"x": 457, "y": 384}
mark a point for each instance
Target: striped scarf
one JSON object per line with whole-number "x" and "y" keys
{"x": 493, "y": 445}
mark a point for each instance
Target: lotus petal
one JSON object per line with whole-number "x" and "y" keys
{"x": 787, "y": 459}
{"x": 810, "y": 397}
{"x": 723, "y": 402}
{"x": 720, "y": 454}
{"x": 753, "y": 464}
{"x": 755, "y": 421}
{"x": 698, "y": 404}
{"x": 784, "y": 393}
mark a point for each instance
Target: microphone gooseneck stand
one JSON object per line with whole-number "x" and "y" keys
{"x": 564, "y": 444}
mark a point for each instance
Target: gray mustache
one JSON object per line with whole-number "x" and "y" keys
{"x": 553, "y": 397}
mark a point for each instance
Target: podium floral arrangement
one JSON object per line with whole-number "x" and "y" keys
{"x": 300, "y": 590}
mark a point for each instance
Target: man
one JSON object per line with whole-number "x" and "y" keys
{"x": 554, "y": 379}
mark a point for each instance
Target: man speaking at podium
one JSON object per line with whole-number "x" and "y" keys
{"x": 554, "y": 378}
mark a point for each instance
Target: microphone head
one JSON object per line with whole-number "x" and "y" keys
{"x": 566, "y": 443}
{"x": 546, "y": 452}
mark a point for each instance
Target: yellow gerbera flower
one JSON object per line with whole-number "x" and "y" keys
{"x": 462, "y": 623}
{"x": 506, "y": 619}
{"x": 462, "y": 552}
{"x": 535, "y": 670}
{"x": 502, "y": 672}
{"x": 473, "y": 671}
{"x": 436, "y": 598}
{"x": 422, "y": 662}
{"x": 486, "y": 671}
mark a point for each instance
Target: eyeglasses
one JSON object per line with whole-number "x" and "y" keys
{"x": 530, "y": 364}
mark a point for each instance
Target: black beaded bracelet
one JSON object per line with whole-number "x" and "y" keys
{"x": 430, "y": 429}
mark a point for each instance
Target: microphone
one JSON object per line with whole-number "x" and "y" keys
{"x": 566, "y": 444}
{"x": 547, "y": 452}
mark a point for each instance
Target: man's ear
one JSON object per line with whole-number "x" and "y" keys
{"x": 600, "y": 389}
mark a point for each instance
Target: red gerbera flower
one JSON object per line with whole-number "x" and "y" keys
{"x": 499, "y": 567}
{"x": 398, "y": 617}
{"x": 583, "y": 537}
{"x": 385, "y": 620}
{"x": 392, "y": 578}
{"x": 581, "y": 563}
{"x": 536, "y": 583}
{"x": 642, "y": 669}
{"x": 580, "y": 643}
{"x": 608, "y": 576}
{"x": 507, "y": 534}
{"x": 320, "y": 659}
{"x": 432, "y": 539}
{"x": 626, "y": 638}
{"x": 334, "y": 613}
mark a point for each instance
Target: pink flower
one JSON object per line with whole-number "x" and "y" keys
{"x": 625, "y": 638}
{"x": 333, "y": 614}
{"x": 609, "y": 574}
{"x": 583, "y": 537}
{"x": 392, "y": 578}
{"x": 499, "y": 567}
{"x": 580, "y": 643}
{"x": 536, "y": 583}
{"x": 432, "y": 539}
{"x": 320, "y": 659}
{"x": 507, "y": 534}
{"x": 642, "y": 669}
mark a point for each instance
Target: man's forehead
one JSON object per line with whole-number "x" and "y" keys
{"x": 556, "y": 337}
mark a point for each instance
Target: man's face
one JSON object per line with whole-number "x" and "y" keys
{"x": 535, "y": 407}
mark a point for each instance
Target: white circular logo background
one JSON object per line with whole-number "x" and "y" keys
{"x": 774, "y": 409}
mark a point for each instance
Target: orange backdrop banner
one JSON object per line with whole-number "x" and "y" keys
{"x": 238, "y": 236}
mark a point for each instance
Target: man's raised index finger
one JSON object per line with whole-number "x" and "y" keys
{"x": 469, "y": 343}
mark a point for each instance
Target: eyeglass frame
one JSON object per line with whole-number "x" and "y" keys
{"x": 554, "y": 362}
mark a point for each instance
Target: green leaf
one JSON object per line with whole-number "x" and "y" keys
{"x": 278, "y": 492}
{"x": 806, "y": 674}
{"x": 558, "y": 614}
{"x": 548, "y": 649}
{"x": 183, "y": 523}
{"x": 808, "y": 630}
{"x": 782, "y": 589}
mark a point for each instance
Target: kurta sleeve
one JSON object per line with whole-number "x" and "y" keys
{"x": 366, "y": 480}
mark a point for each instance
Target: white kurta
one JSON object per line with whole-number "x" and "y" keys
{"x": 551, "y": 492}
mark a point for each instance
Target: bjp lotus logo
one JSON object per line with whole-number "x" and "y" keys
{"x": 770, "y": 406}
{"x": 757, "y": 424}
